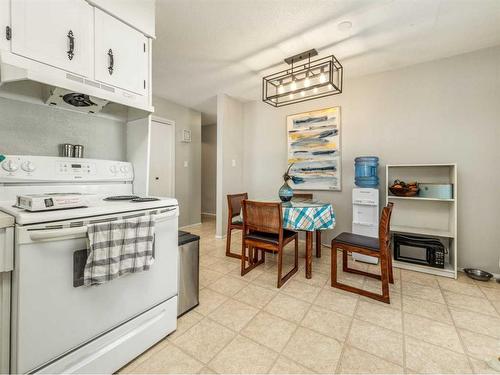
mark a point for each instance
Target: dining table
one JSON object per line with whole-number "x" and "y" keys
{"x": 309, "y": 216}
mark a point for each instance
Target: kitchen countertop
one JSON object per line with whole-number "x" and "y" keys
{"x": 6, "y": 220}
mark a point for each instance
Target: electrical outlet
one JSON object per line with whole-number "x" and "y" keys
{"x": 186, "y": 163}
{"x": 233, "y": 163}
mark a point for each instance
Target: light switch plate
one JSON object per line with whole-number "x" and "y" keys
{"x": 233, "y": 163}
{"x": 186, "y": 163}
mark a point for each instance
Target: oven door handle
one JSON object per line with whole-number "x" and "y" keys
{"x": 57, "y": 233}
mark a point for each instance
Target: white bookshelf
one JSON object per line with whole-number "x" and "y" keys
{"x": 426, "y": 216}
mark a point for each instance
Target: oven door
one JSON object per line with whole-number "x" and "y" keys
{"x": 53, "y": 315}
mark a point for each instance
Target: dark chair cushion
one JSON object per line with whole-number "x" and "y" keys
{"x": 270, "y": 237}
{"x": 358, "y": 240}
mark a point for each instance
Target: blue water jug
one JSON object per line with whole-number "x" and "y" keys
{"x": 366, "y": 171}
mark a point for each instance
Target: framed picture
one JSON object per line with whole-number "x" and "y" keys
{"x": 314, "y": 149}
{"x": 186, "y": 135}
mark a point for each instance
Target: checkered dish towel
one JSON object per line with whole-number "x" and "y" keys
{"x": 118, "y": 248}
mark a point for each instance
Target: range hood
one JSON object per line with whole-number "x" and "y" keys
{"x": 27, "y": 80}
{"x": 62, "y": 98}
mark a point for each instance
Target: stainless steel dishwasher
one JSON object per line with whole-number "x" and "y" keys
{"x": 189, "y": 272}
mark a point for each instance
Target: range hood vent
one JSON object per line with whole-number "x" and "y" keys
{"x": 75, "y": 101}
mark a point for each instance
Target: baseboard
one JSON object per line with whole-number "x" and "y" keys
{"x": 220, "y": 237}
{"x": 208, "y": 214}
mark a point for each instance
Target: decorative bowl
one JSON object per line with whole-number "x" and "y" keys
{"x": 403, "y": 192}
{"x": 476, "y": 274}
{"x": 402, "y": 189}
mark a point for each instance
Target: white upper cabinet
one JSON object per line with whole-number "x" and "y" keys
{"x": 139, "y": 14}
{"x": 121, "y": 54}
{"x": 57, "y": 33}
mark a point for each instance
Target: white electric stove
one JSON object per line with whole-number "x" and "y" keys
{"x": 57, "y": 325}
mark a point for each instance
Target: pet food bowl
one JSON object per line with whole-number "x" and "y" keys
{"x": 476, "y": 274}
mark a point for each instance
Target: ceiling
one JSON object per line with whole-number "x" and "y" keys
{"x": 206, "y": 47}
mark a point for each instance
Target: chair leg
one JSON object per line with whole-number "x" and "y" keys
{"x": 284, "y": 279}
{"x": 280, "y": 267}
{"x": 296, "y": 260}
{"x": 252, "y": 260}
{"x": 384, "y": 273}
{"x": 334, "y": 265}
{"x": 318, "y": 244}
{"x": 389, "y": 265}
{"x": 228, "y": 242}
{"x": 345, "y": 265}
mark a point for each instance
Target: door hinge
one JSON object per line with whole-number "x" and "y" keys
{"x": 144, "y": 47}
{"x": 8, "y": 33}
{"x": 144, "y": 83}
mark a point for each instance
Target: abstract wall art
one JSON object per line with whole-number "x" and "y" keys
{"x": 314, "y": 149}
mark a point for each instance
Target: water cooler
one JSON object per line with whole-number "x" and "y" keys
{"x": 365, "y": 202}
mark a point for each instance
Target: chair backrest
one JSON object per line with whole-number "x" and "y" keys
{"x": 302, "y": 196}
{"x": 234, "y": 204}
{"x": 262, "y": 217}
{"x": 384, "y": 228}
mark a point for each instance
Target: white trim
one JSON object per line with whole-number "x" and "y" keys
{"x": 161, "y": 120}
{"x": 208, "y": 214}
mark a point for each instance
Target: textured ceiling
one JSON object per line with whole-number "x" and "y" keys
{"x": 205, "y": 47}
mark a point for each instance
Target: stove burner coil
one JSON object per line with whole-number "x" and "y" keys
{"x": 121, "y": 198}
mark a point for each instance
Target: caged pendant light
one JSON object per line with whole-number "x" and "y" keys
{"x": 303, "y": 80}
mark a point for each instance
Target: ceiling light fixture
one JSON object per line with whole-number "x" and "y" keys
{"x": 309, "y": 80}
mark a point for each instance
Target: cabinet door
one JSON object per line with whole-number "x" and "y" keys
{"x": 121, "y": 54}
{"x": 57, "y": 33}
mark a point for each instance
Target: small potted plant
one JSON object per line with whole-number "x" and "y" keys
{"x": 286, "y": 192}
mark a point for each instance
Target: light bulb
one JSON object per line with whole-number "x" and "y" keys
{"x": 290, "y": 96}
{"x": 315, "y": 90}
{"x": 293, "y": 85}
{"x": 307, "y": 82}
{"x": 281, "y": 89}
{"x": 322, "y": 78}
{"x": 302, "y": 93}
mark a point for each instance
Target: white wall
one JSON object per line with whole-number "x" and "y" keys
{"x": 441, "y": 111}
{"x": 34, "y": 129}
{"x": 208, "y": 168}
{"x": 230, "y": 140}
{"x": 187, "y": 179}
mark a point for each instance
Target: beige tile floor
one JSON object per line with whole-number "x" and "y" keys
{"x": 246, "y": 325}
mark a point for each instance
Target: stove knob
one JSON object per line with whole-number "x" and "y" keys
{"x": 113, "y": 169}
{"x": 28, "y": 166}
{"x": 124, "y": 169}
{"x": 10, "y": 166}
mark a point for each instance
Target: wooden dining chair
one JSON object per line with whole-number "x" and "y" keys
{"x": 234, "y": 222}
{"x": 302, "y": 196}
{"x": 375, "y": 247}
{"x": 263, "y": 231}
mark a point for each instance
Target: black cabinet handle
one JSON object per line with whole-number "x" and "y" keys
{"x": 71, "y": 51}
{"x": 111, "y": 61}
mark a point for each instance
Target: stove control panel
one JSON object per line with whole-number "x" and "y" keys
{"x": 19, "y": 168}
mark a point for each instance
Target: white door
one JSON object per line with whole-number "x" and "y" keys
{"x": 161, "y": 163}
{"x": 57, "y": 33}
{"x": 121, "y": 54}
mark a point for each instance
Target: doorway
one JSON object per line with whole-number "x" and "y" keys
{"x": 162, "y": 158}
{"x": 208, "y": 171}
